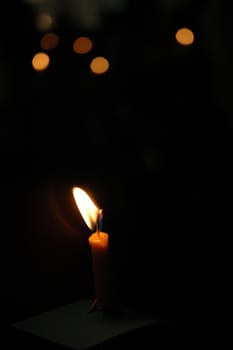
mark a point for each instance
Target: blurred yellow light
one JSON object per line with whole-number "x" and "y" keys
{"x": 99, "y": 65}
{"x": 40, "y": 61}
{"x": 49, "y": 41}
{"x": 82, "y": 45}
{"x": 184, "y": 36}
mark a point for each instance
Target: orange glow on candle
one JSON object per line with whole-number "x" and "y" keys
{"x": 100, "y": 240}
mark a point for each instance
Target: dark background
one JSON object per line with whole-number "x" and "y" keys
{"x": 150, "y": 140}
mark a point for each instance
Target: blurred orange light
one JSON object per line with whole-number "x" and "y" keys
{"x": 99, "y": 65}
{"x": 184, "y": 36}
{"x": 82, "y": 45}
{"x": 49, "y": 41}
{"x": 40, "y": 61}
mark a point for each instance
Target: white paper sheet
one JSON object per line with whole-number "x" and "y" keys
{"x": 74, "y": 326}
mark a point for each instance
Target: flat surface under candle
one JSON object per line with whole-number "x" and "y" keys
{"x": 74, "y": 326}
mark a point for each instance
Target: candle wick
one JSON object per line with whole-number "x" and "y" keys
{"x": 99, "y": 222}
{"x": 97, "y": 230}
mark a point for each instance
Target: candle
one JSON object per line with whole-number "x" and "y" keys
{"x": 99, "y": 243}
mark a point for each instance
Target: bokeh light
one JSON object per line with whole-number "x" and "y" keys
{"x": 184, "y": 36}
{"x": 99, "y": 65}
{"x": 40, "y": 61}
{"x": 44, "y": 22}
{"x": 82, "y": 45}
{"x": 49, "y": 41}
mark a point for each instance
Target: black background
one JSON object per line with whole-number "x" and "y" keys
{"x": 150, "y": 140}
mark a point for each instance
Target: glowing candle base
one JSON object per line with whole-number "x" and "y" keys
{"x": 102, "y": 271}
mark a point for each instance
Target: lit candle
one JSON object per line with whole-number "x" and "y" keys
{"x": 99, "y": 242}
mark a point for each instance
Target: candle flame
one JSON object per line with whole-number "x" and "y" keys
{"x": 89, "y": 211}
